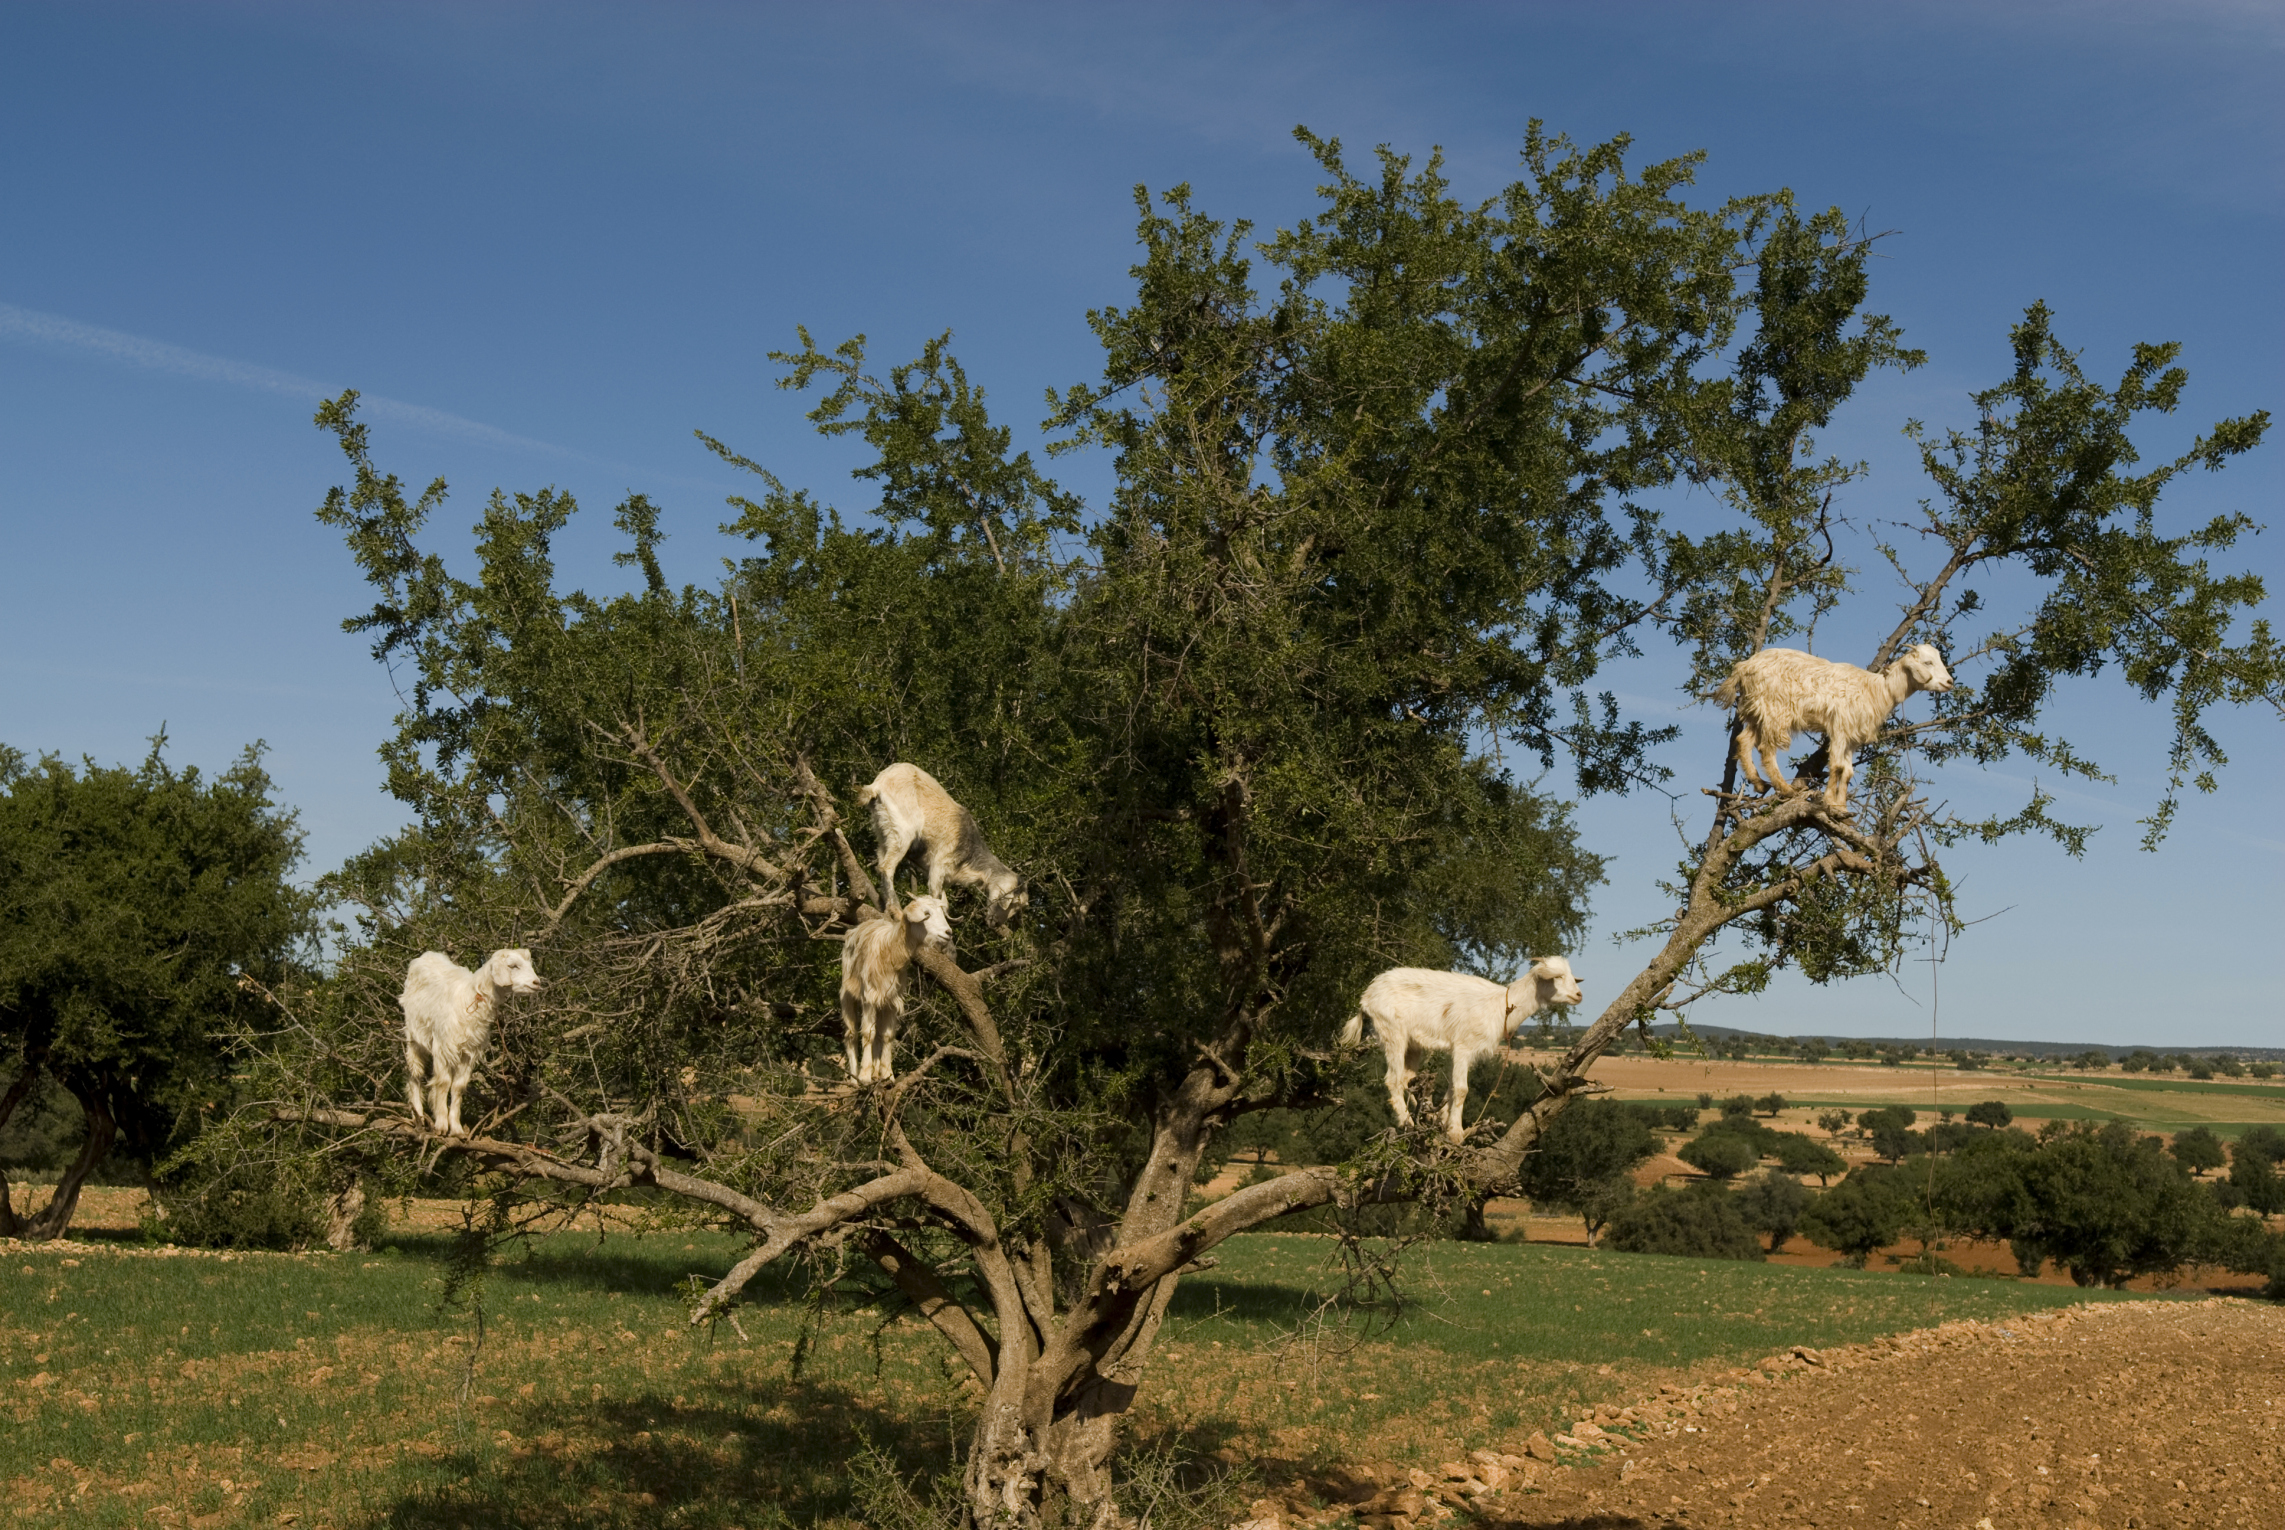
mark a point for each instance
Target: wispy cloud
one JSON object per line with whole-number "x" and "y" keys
{"x": 29, "y": 326}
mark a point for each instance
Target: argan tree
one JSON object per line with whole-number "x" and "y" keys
{"x": 133, "y": 904}
{"x": 1386, "y": 499}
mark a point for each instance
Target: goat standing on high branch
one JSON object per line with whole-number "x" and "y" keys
{"x": 1781, "y": 691}
{"x": 911, "y": 808}
{"x": 1414, "y": 1011}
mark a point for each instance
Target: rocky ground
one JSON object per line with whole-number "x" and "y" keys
{"x": 2148, "y": 1415}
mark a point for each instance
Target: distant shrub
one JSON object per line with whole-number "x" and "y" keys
{"x": 1723, "y": 1155}
{"x": 2254, "y": 1182}
{"x": 1772, "y": 1204}
{"x": 2198, "y": 1150}
{"x": 1666, "y": 1118}
{"x": 1949, "y": 1136}
{"x": 1770, "y": 1104}
{"x": 2262, "y": 1069}
{"x": 1861, "y": 1214}
{"x": 1701, "y": 1222}
{"x": 2268, "y": 1141}
{"x": 1797, "y": 1154}
{"x": 1991, "y": 1113}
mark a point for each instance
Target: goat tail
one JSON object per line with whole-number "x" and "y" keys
{"x": 866, "y": 794}
{"x": 1353, "y": 1033}
{"x": 1727, "y": 692}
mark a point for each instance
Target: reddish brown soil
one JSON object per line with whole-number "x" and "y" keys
{"x": 2146, "y": 1414}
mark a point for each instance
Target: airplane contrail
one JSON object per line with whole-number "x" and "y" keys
{"x": 26, "y": 324}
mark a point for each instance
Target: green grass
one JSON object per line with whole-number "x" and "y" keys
{"x": 326, "y": 1385}
{"x": 2176, "y": 1086}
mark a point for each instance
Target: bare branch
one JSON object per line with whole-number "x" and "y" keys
{"x": 829, "y": 818}
{"x": 714, "y": 844}
{"x": 585, "y": 879}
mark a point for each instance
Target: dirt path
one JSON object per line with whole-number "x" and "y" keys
{"x": 2146, "y": 1414}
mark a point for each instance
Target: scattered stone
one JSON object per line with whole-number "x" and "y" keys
{"x": 1539, "y": 1447}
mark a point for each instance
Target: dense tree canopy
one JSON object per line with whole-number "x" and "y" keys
{"x": 1386, "y": 499}
{"x": 132, "y": 905}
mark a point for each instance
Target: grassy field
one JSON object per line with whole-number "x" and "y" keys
{"x": 322, "y": 1390}
{"x": 2166, "y": 1103}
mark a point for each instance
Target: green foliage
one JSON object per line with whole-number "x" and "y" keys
{"x": 138, "y": 910}
{"x": 2198, "y": 1150}
{"x": 2102, "y": 1201}
{"x": 1773, "y": 1203}
{"x": 1991, "y": 1113}
{"x": 252, "y": 1207}
{"x": 1737, "y": 1107}
{"x": 2263, "y": 1141}
{"x": 1890, "y": 1130}
{"x": 1770, "y": 1104}
{"x": 1863, "y": 1213}
{"x": 1582, "y": 1162}
{"x": 1722, "y": 1155}
{"x": 2255, "y": 1182}
{"x": 1799, "y": 1154}
{"x": 1702, "y": 1221}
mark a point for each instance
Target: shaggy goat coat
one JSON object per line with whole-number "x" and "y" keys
{"x": 1782, "y": 691}
{"x": 876, "y": 969}
{"x": 448, "y": 1016}
{"x": 1414, "y": 1011}
{"x": 911, "y": 808}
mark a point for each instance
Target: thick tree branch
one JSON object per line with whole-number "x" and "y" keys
{"x": 927, "y": 1293}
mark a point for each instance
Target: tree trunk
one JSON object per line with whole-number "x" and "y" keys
{"x": 15, "y": 1096}
{"x": 341, "y": 1212}
{"x": 1044, "y": 1455}
{"x": 53, "y": 1219}
{"x": 1022, "y": 1476}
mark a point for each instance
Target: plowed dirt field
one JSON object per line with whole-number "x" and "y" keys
{"x": 2148, "y": 1414}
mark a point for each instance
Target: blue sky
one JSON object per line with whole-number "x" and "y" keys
{"x": 549, "y": 242}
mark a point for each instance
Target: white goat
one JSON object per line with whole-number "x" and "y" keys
{"x": 1781, "y": 691}
{"x": 448, "y": 1015}
{"x": 876, "y": 970}
{"x": 910, "y": 808}
{"x": 1414, "y": 1011}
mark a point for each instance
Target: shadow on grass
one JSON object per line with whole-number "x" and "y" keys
{"x": 656, "y": 1267}
{"x": 752, "y": 1457}
{"x": 1202, "y": 1297}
